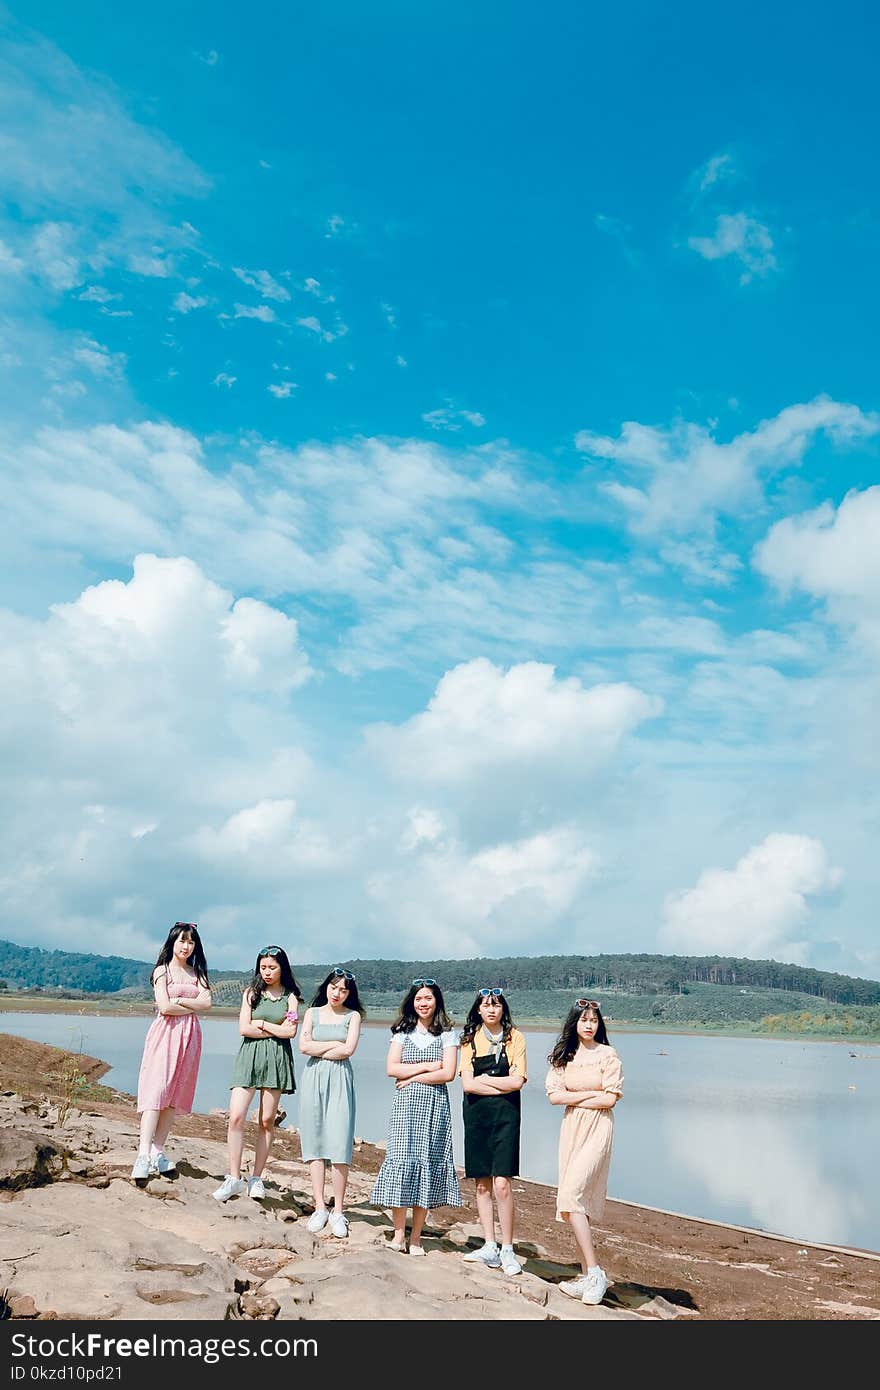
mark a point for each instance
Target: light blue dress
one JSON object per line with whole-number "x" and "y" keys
{"x": 326, "y": 1098}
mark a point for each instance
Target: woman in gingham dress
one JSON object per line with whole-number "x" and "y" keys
{"x": 418, "y": 1171}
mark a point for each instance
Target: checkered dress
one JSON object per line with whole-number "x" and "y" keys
{"x": 418, "y": 1170}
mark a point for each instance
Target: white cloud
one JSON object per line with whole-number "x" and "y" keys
{"x": 185, "y": 303}
{"x": 10, "y": 264}
{"x": 96, "y": 294}
{"x": 152, "y": 266}
{"x": 759, "y": 908}
{"x": 224, "y": 379}
{"x": 716, "y": 170}
{"x": 99, "y": 360}
{"x": 54, "y": 257}
{"x": 261, "y": 280}
{"x": 327, "y": 335}
{"x": 743, "y": 237}
{"x": 481, "y": 717}
{"x": 258, "y": 311}
{"x": 831, "y": 554}
{"x": 511, "y": 892}
{"x": 150, "y": 707}
{"x": 692, "y": 479}
{"x": 448, "y": 418}
{"x": 282, "y": 389}
{"x": 93, "y": 183}
{"x": 268, "y": 841}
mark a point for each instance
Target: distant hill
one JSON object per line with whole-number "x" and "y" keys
{"x": 636, "y": 976}
{"x": 31, "y": 967}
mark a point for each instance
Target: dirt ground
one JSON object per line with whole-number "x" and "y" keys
{"x": 704, "y": 1270}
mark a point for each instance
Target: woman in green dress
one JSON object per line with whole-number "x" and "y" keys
{"x": 268, "y": 1021}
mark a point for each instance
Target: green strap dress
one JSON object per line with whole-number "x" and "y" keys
{"x": 266, "y": 1063}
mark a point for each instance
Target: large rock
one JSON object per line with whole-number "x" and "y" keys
{"x": 167, "y": 1250}
{"x": 28, "y": 1159}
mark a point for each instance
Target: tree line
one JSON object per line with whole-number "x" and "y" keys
{"x": 28, "y": 967}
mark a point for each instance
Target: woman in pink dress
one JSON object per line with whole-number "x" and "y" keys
{"x": 586, "y": 1077}
{"x": 173, "y": 1046}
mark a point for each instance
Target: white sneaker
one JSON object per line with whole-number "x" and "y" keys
{"x": 256, "y": 1188}
{"x": 161, "y": 1164}
{"x": 318, "y": 1220}
{"x": 486, "y": 1255}
{"x": 597, "y": 1286}
{"x": 339, "y": 1225}
{"x": 230, "y": 1187}
{"x": 509, "y": 1263}
{"x": 141, "y": 1170}
{"x": 575, "y": 1288}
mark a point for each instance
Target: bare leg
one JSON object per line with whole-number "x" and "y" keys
{"x": 339, "y": 1179}
{"x": 266, "y": 1132}
{"x": 418, "y": 1221}
{"x": 163, "y": 1128}
{"x": 504, "y": 1198}
{"x": 149, "y": 1121}
{"x": 485, "y": 1209}
{"x": 582, "y": 1234}
{"x": 317, "y": 1173}
{"x": 240, "y": 1098}
{"x": 398, "y": 1216}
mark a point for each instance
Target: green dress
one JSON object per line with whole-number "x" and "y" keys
{"x": 266, "y": 1062}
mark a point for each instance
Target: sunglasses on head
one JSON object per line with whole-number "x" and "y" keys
{"x": 271, "y": 951}
{"x": 494, "y": 993}
{"x": 587, "y": 1004}
{"x": 339, "y": 971}
{"x": 188, "y": 926}
{"x": 417, "y": 984}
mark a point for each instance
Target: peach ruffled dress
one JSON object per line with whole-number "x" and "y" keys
{"x": 585, "y": 1135}
{"x": 172, "y": 1051}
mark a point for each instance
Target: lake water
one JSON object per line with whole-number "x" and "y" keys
{"x": 784, "y": 1136}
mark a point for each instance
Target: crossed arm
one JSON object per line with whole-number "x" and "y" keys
{"x": 330, "y": 1050}
{"x": 177, "y": 1008}
{"x": 431, "y": 1073}
{"x": 585, "y": 1100}
{"x": 491, "y": 1085}
{"x": 249, "y": 1027}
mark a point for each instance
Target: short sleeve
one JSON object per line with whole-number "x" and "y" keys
{"x": 517, "y": 1053}
{"x": 612, "y": 1074}
{"x": 554, "y": 1080}
{"x": 449, "y": 1038}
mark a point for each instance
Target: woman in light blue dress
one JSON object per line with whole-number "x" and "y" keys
{"x": 330, "y": 1034}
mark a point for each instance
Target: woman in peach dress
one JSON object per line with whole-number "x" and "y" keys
{"x": 585, "y": 1076}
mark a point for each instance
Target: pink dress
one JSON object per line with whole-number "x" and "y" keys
{"x": 172, "y": 1050}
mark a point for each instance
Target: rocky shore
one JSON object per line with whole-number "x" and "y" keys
{"x": 78, "y": 1239}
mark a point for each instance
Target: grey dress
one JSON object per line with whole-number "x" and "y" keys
{"x": 326, "y": 1098}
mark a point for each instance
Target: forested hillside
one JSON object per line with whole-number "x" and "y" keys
{"x": 647, "y": 976}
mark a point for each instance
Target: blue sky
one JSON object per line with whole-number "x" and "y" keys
{"x": 440, "y": 457}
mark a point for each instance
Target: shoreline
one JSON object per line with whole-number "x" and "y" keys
{"x": 664, "y": 1264}
{"x": 97, "y": 1008}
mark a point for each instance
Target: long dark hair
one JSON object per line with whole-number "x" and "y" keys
{"x": 568, "y": 1041}
{"x": 474, "y": 1020}
{"x": 257, "y": 986}
{"x": 353, "y": 1001}
{"x": 196, "y": 960}
{"x": 407, "y": 1018}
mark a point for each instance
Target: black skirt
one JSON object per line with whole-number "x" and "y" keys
{"x": 491, "y": 1135}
